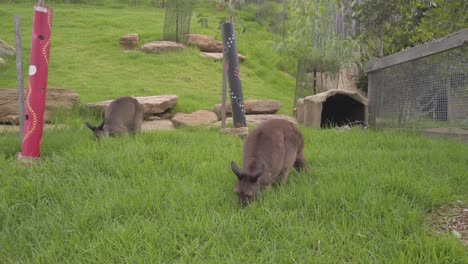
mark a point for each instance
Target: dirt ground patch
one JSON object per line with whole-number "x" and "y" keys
{"x": 452, "y": 218}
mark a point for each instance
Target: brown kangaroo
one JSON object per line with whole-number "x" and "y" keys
{"x": 122, "y": 116}
{"x": 270, "y": 151}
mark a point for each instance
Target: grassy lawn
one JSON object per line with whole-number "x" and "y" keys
{"x": 167, "y": 197}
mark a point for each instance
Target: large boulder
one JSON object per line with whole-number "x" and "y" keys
{"x": 198, "y": 118}
{"x": 252, "y": 107}
{"x": 218, "y": 56}
{"x": 56, "y": 99}
{"x": 6, "y": 50}
{"x": 205, "y": 43}
{"x": 152, "y": 104}
{"x": 162, "y": 46}
{"x": 129, "y": 42}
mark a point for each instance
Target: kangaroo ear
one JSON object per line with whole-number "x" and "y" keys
{"x": 235, "y": 169}
{"x": 93, "y": 128}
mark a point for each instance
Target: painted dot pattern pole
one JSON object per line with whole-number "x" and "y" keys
{"x": 37, "y": 81}
{"x": 234, "y": 75}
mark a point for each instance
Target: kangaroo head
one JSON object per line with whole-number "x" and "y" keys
{"x": 247, "y": 188}
{"x": 98, "y": 131}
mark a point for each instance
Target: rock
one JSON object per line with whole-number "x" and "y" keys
{"x": 162, "y": 46}
{"x": 166, "y": 115}
{"x": 238, "y": 131}
{"x": 255, "y": 120}
{"x": 157, "y": 104}
{"x": 252, "y": 107}
{"x": 152, "y": 104}
{"x": 2, "y": 62}
{"x": 6, "y": 49}
{"x": 157, "y": 125}
{"x": 153, "y": 117}
{"x": 215, "y": 56}
{"x": 205, "y": 43}
{"x": 198, "y": 118}
{"x": 56, "y": 98}
{"x": 129, "y": 42}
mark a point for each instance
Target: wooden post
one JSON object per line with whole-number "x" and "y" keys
{"x": 223, "y": 99}
{"x": 233, "y": 75}
{"x": 19, "y": 73}
{"x": 37, "y": 84}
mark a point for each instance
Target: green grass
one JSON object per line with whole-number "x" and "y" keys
{"x": 167, "y": 197}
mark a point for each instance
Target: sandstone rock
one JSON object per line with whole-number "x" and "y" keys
{"x": 205, "y": 43}
{"x": 152, "y": 104}
{"x": 129, "y": 42}
{"x": 153, "y": 117}
{"x": 198, "y": 118}
{"x": 252, "y": 107}
{"x": 255, "y": 120}
{"x": 215, "y": 56}
{"x": 162, "y": 46}
{"x": 157, "y": 125}
{"x": 238, "y": 131}
{"x": 56, "y": 98}
{"x": 6, "y": 49}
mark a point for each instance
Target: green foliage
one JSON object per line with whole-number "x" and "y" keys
{"x": 443, "y": 18}
{"x": 202, "y": 20}
{"x": 311, "y": 36}
{"x": 392, "y": 26}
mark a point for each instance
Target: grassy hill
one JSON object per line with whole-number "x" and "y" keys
{"x": 167, "y": 197}
{"x": 85, "y": 57}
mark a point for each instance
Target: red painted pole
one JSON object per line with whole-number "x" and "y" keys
{"x": 37, "y": 84}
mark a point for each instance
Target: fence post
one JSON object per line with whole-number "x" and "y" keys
{"x": 19, "y": 73}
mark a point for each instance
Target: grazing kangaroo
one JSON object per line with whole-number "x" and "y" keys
{"x": 270, "y": 151}
{"x": 122, "y": 116}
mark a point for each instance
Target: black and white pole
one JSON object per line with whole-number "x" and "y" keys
{"x": 231, "y": 60}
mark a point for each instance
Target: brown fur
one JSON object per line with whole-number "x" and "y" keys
{"x": 122, "y": 116}
{"x": 270, "y": 152}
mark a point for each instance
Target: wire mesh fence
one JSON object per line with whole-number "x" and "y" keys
{"x": 272, "y": 14}
{"x": 427, "y": 92}
{"x": 177, "y": 20}
{"x": 308, "y": 80}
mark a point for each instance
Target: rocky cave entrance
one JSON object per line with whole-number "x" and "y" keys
{"x": 340, "y": 110}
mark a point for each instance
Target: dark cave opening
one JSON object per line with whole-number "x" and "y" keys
{"x": 340, "y": 110}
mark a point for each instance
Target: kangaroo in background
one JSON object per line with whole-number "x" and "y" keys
{"x": 270, "y": 151}
{"x": 122, "y": 116}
